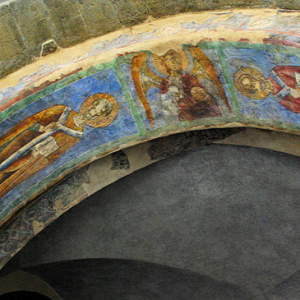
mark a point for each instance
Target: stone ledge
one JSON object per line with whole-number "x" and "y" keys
{"x": 26, "y": 24}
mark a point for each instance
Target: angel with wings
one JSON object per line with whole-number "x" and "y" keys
{"x": 188, "y": 84}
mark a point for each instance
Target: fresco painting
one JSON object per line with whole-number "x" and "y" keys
{"x": 265, "y": 82}
{"x": 40, "y": 139}
{"x": 180, "y": 85}
{"x": 137, "y": 97}
{"x": 53, "y": 133}
{"x": 283, "y": 83}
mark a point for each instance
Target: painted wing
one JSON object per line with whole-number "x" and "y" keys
{"x": 144, "y": 79}
{"x": 203, "y": 65}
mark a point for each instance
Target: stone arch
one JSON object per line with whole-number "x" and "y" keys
{"x": 128, "y": 71}
{"x": 178, "y": 213}
{"x": 85, "y": 182}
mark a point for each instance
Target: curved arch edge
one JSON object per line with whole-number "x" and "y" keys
{"x": 99, "y": 174}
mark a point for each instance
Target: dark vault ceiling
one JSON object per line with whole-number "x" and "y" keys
{"x": 218, "y": 218}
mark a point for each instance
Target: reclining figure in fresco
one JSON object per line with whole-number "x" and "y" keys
{"x": 187, "y": 82}
{"x": 39, "y": 140}
{"x": 283, "y": 84}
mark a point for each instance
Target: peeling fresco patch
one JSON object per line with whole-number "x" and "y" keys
{"x": 120, "y": 161}
{"x": 43, "y": 212}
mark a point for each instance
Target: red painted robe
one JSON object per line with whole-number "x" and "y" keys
{"x": 284, "y": 79}
{"x": 191, "y": 108}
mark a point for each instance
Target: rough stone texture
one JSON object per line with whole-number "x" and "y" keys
{"x": 68, "y": 20}
{"x": 288, "y": 4}
{"x": 130, "y": 12}
{"x": 100, "y": 17}
{"x": 230, "y": 213}
{"x": 36, "y": 24}
{"x": 13, "y": 48}
{"x": 26, "y": 24}
{"x": 172, "y": 7}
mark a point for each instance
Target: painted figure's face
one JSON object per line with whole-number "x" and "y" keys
{"x": 100, "y": 107}
{"x": 173, "y": 61}
{"x": 252, "y": 83}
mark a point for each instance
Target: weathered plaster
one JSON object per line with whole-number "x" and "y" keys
{"x": 156, "y": 36}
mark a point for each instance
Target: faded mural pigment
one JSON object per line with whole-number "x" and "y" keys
{"x": 50, "y": 126}
{"x": 138, "y": 94}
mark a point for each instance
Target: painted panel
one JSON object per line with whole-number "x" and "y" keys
{"x": 51, "y": 134}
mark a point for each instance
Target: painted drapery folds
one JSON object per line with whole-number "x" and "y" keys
{"x": 40, "y": 139}
{"x": 186, "y": 85}
{"x": 139, "y": 96}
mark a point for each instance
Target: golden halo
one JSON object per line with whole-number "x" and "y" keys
{"x": 248, "y": 72}
{"x": 101, "y": 121}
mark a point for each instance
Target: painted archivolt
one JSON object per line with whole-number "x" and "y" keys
{"x": 137, "y": 97}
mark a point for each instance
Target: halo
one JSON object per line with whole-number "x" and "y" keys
{"x": 101, "y": 121}
{"x": 244, "y": 72}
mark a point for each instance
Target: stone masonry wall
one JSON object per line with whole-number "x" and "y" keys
{"x": 32, "y": 28}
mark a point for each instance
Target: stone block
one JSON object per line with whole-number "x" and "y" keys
{"x": 68, "y": 20}
{"x": 14, "y": 52}
{"x": 288, "y": 4}
{"x": 158, "y": 8}
{"x": 131, "y": 12}
{"x": 196, "y": 5}
{"x": 34, "y": 21}
{"x": 16, "y": 62}
{"x": 11, "y": 41}
{"x": 100, "y": 16}
{"x": 2, "y": 70}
